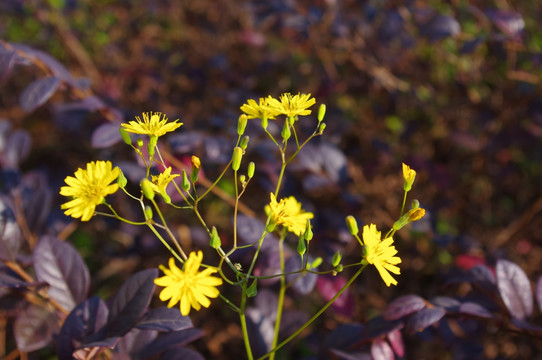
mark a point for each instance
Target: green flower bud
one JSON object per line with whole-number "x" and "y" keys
{"x": 242, "y": 124}
{"x": 196, "y": 165}
{"x": 337, "y": 257}
{"x": 185, "y": 183}
{"x": 215, "y": 239}
{"x": 286, "y": 133}
{"x": 146, "y": 188}
{"x": 125, "y": 136}
{"x": 352, "y": 225}
{"x": 244, "y": 142}
{"x": 339, "y": 268}
{"x": 316, "y": 262}
{"x": 321, "y": 112}
{"x": 308, "y": 231}
{"x": 237, "y": 156}
{"x": 403, "y": 220}
{"x": 250, "y": 170}
{"x": 242, "y": 178}
{"x": 415, "y": 204}
{"x": 151, "y": 146}
{"x": 321, "y": 128}
{"x": 121, "y": 180}
{"x": 252, "y": 290}
{"x": 139, "y": 142}
{"x": 301, "y": 246}
{"x": 148, "y": 212}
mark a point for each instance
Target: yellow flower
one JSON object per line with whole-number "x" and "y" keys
{"x": 288, "y": 213}
{"x": 408, "y": 175}
{"x": 151, "y": 124}
{"x": 381, "y": 254}
{"x": 89, "y": 188}
{"x": 259, "y": 110}
{"x": 190, "y": 287}
{"x": 292, "y": 106}
{"x": 415, "y": 214}
{"x": 160, "y": 183}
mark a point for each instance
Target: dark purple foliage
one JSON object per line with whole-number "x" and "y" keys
{"x": 10, "y": 233}
{"x": 424, "y": 318}
{"x": 329, "y": 286}
{"x": 106, "y": 135}
{"x": 474, "y": 309}
{"x": 403, "y": 306}
{"x": 7, "y": 60}
{"x": 37, "y": 93}
{"x": 170, "y": 340}
{"x": 381, "y": 350}
{"x": 378, "y": 327}
{"x": 538, "y": 292}
{"x": 515, "y": 289}
{"x": 396, "y": 341}
{"x": 302, "y": 283}
{"x": 34, "y": 327}
{"x": 164, "y": 319}
{"x": 17, "y": 148}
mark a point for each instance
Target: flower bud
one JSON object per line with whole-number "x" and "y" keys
{"x": 321, "y": 112}
{"x": 185, "y": 183}
{"x": 139, "y": 142}
{"x": 242, "y": 124}
{"x": 308, "y": 231}
{"x": 317, "y": 262}
{"x": 244, "y": 142}
{"x": 250, "y": 170}
{"x": 242, "y": 178}
{"x": 415, "y": 214}
{"x": 337, "y": 257}
{"x": 148, "y": 213}
{"x": 121, "y": 180}
{"x": 125, "y": 136}
{"x": 408, "y": 175}
{"x": 237, "y": 156}
{"x": 352, "y": 225}
{"x": 415, "y": 204}
{"x": 196, "y": 165}
{"x": 339, "y": 268}
{"x": 286, "y": 133}
{"x": 301, "y": 246}
{"x": 215, "y": 239}
{"x": 252, "y": 290}
{"x": 146, "y": 188}
{"x": 321, "y": 128}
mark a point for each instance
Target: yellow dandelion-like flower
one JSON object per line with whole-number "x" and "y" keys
{"x": 408, "y": 175}
{"x": 259, "y": 110}
{"x": 288, "y": 212}
{"x": 189, "y": 286}
{"x": 89, "y": 188}
{"x": 292, "y": 106}
{"x": 381, "y": 254}
{"x": 161, "y": 181}
{"x": 153, "y": 124}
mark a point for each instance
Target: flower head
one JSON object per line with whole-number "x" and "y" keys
{"x": 288, "y": 212}
{"x": 161, "y": 181}
{"x": 292, "y": 106}
{"x": 189, "y": 286}
{"x": 89, "y": 188}
{"x": 151, "y": 124}
{"x": 408, "y": 175}
{"x": 381, "y": 254}
{"x": 259, "y": 110}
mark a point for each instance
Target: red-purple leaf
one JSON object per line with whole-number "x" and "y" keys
{"x": 170, "y": 340}
{"x": 515, "y": 289}
{"x": 7, "y": 59}
{"x": 475, "y": 310}
{"x": 403, "y": 306}
{"x": 381, "y": 350}
{"x": 329, "y": 286}
{"x": 539, "y": 292}
{"x": 10, "y": 233}
{"x": 58, "y": 263}
{"x": 396, "y": 341}
{"x": 17, "y": 149}
{"x": 164, "y": 319}
{"x": 130, "y": 302}
{"x": 350, "y": 356}
{"x": 37, "y": 93}
{"x": 424, "y": 318}
{"x": 134, "y": 341}
{"x": 106, "y": 135}
{"x": 181, "y": 353}
{"x": 34, "y": 328}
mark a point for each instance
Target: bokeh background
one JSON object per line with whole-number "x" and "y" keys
{"x": 450, "y": 88}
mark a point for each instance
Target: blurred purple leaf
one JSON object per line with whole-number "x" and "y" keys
{"x": 130, "y": 302}
{"x": 343, "y": 336}
{"x": 37, "y": 93}
{"x": 483, "y": 276}
{"x": 106, "y": 135}
{"x": 448, "y": 303}
{"x": 34, "y": 328}
{"x": 474, "y": 309}
{"x": 522, "y": 324}
{"x": 261, "y": 330}
{"x": 396, "y": 341}
{"x": 424, "y": 318}
{"x": 515, "y": 289}
{"x": 381, "y": 350}
{"x": 164, "y": 319}
{"x": 18, "y": 147}
{"x": 84, "y": 320}
{"x": 403, "y": 306}
{"x": 170, "y": 340}
{"x": 470, "y": 46}
{"x": 10, "y": 233}
{"x": 59, "y": 264}
{"x": 181, "y": 353}
{"x": 329, "y": 286}
{"x": 185, "y": 142}
{"x": 37, "y": 199}
{"x": 538, "y": 292}
{"x": 378, "y": 327}
{"x": 7, "y": 60}
{"x": 135, "y": 340}
{"x": 292, "y": 320}
{"x": 439, "y": 27}
{"x": 342, "y": 355}
{"x": 302, "y": 283}
{"x": 12, "y": 282}
{"x": 509, "y": 22}
{"x": 266, "y": 301}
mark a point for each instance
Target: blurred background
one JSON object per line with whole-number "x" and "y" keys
{"x": 450, "y": 88}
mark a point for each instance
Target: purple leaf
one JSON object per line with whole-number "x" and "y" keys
{"x": 58, "y": 263}
{"x": 34, "y": 328}
{"x": 106, "y": 135}
{"x": 18, "y": 147}
{"x": 350, "y": 356}
{"x": 539, "y": 292}
{"x": 509, "y": 22}
{"x": 343, "y": 337}
{"x": 260, "y": 329}
{"x": 170, "y": 340}
{"x": 329, "y": 286}
{"x": 37, "y": 93}
{"x": 474, "y": 309}
{"x": 378, "y": 327}
{"x": 403, "y": 306}
{"x": 424, "y": 318}
{"x": 84, "y": 320}
{"x": 515, "y": 289}
{"x": 440, "y": 26}
{"x": 134, "y": 341}
{"x": 181, "y": 353}
{"x": 448, "y": 303}
{"x": 7, "y": 59}
{"x": 130, "y": 302}
{"x": 10, "y": 233}
{"x": 37, "y": 199}
{"x": 302, "y": 283}
{"x": 396, "y": 340}
{"x": 483, "y": 276}
{"x": 164, "y": 319}
{"x": 54, "y": 65}
{"x": 12, "y": 282}
{"x": 381, "y": 350}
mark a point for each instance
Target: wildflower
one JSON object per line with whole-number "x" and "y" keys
{"x": 161, "y": 181}
{"x": 292, "y": 106}
{"x": 151, "y": 124}
{"x": 408, "y": 175}
{"x": 288, "y": 213}
{"x": 259, "y": 110}
{"x": 381, "y": 254}
{"x": 415, "y": 214}
{"x": 89, "y": 188}
{"x": 189, "y": 286}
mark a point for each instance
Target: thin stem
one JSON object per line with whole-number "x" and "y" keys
{"x": 168, "y": 231}
{"x": 243, "y": 320}
{"x": 153, "y": 229}
{"x": 282, "y": 293}
{"x": 217, "y": 179}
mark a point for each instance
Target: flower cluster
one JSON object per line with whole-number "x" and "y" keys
{"x": 381, "y": 254}
{"x": 288, "y": 105}
{"x": 153, "y": 124}
{"x": 288, "y": 213}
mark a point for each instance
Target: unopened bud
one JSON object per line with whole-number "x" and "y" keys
{"x": 215, "y": 239}
{"x": 321, "y": 112}
{"x": 286, "y": 133}
{"x": 251, "y": 169}
{"x": 146, "y": 188}
{"x": 337, "y": 257}
{"x": 415, "y": 204}
{"x": 244, "y": 142}
{"x": 148, "y": 212}
{"x": 242, "y": 178}
{"x": 308, "y": 231}
{"x": 241, "y": 124}
{"x": 317, "y": 262}
{"x": 139, "y": 142}
{"x": 408, "y": 175}
{"x": 125, "y": 136}
{"x": 321, "y": 128}
{"x": 352, "y": 225}
{"x": 415, "y": 214}
{"x": 185, "y": 183}
{"x": 252, "y": 290}
{"x": 301, "y": 246}
{"x": 196, "y": 165}
{"x": 121, "y": 180}
{"x": 237, "y": 156}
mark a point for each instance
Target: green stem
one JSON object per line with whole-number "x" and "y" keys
{"x": 243, "y": 320}
{"x": 280, "y": 302}
{"x": 217, "y": 180}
